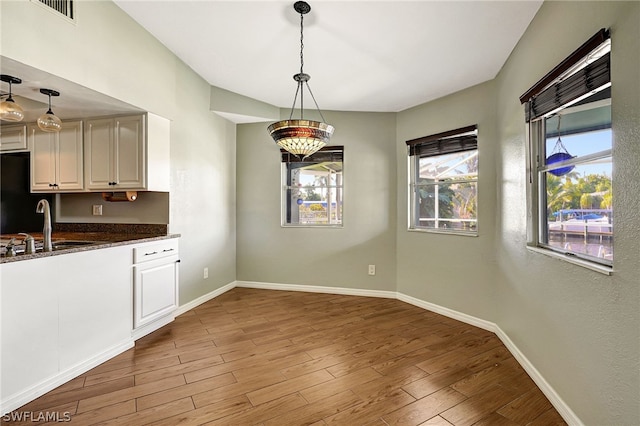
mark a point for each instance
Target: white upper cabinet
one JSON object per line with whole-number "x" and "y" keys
{"x": 114, "y": 153}
{"x": 56, "y": 158}
{"x": 127, "y": 153}
{"x": 13, "y": 137}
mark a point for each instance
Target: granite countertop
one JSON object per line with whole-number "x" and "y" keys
{"x": 100, "y": 237}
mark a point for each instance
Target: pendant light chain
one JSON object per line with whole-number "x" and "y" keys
{"x": 301, "y": 65}
{"x": 301, "y": 43}
{"x": 301, "y": 137}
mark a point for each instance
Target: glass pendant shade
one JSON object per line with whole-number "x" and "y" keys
{"x": 11, "y": 111}
{"x": 300, "y": 137}
{"x": 48, "y": 122}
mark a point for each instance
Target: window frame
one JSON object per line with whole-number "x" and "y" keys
{"x": 464, "y": 139}
{"x": 536, "y": 136}
{"x": 325, "y": 154}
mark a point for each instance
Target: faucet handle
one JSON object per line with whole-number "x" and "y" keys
{"x": 10, "y": 248}
{"x": 29, "y": 243}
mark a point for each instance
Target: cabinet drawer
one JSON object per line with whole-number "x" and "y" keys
{"x": 155, "y": 250}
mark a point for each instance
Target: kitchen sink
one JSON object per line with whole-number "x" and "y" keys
{"x": 56, "y": 245}
{"x": 67, "y": 244}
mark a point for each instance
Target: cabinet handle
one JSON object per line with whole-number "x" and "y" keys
{"x": 178, "y": 261}
{"x": 150, "y": 254}
{"x": 51, "y": 185}
{"x": 166, "y": 250}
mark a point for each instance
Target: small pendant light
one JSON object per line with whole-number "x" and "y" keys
{"x": 48, "y": 122}
{"x": 9, "y": 109}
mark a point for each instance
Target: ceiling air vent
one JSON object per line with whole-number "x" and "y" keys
{"x": 65, "y": 7}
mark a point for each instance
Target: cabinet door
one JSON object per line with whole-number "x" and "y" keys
{"x": 13, "y": 138}
{"x": 98, "y": 150}
{"x": 129, "y": 152}
{"x": 43, "y": 159}
{"x": 69, "y": 168}
{"x": 155, "y": 290}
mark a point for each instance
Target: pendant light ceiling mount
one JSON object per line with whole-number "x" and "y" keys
{"x": 48, "y": 122}
{"x": 302, "y": 7}
{"x": 9, "y": 109}
{"x": 301, "y": 137}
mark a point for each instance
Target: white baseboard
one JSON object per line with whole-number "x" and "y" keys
{"x": 467, "y": 319}
{"x": 204, "y": 298}
{"x": 563, "y": 409}
{"x": 318, "y": 289}
{"x": 23, "y": 397}
{"x": 151, "y": 327}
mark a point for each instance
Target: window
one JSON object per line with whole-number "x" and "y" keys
{"x": 443, "y": 170}
{"x": 570, "y": 162}
{"x": 312, "y": 192}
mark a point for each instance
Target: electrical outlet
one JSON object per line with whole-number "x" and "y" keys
{"x": 372, "y": 269}
{"x": 97, "y": 209}
{"x": 206, "y": 273}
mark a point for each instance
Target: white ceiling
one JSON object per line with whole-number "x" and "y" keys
{"x": 361, "y": 55}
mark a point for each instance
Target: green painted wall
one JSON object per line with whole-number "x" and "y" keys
{"x": 580, "y": 329}
{"x": 336, "y": 257}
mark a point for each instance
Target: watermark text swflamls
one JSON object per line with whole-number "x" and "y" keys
{"x": 37, "y": 416}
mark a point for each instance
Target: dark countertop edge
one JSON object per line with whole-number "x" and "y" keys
{"x": 97, "y": 246}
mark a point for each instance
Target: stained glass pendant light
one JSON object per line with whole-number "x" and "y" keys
{"x": 300, "y": 136}
{"x": 48, "y": 122}
{"x": 9, "y": 109}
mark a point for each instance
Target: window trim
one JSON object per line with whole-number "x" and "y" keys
{"x": 434, "y": 144}
{"x": 535, "y": 136}
{"x": 326, "y": 153}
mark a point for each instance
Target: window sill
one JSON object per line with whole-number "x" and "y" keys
{"x": 440, "y": 231}
{"x": 603, "y": 269}
{"x": 314, "y": 226}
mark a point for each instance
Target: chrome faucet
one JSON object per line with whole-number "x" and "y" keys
{"x": 43, "y": 207}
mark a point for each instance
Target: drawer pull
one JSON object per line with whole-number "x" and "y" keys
{"x": 166, "y": 250}
{"x": 150, "y": 254}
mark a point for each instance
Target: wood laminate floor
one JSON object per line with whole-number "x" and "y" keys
{"x": 270, "y": 357}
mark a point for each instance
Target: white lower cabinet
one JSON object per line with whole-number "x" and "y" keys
{"x": 155, "y": 286}
{"x": 62, "y": 315}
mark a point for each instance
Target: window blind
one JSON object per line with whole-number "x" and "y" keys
{"x": 546, "y": 96}
{"x": 452, "y": 141}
